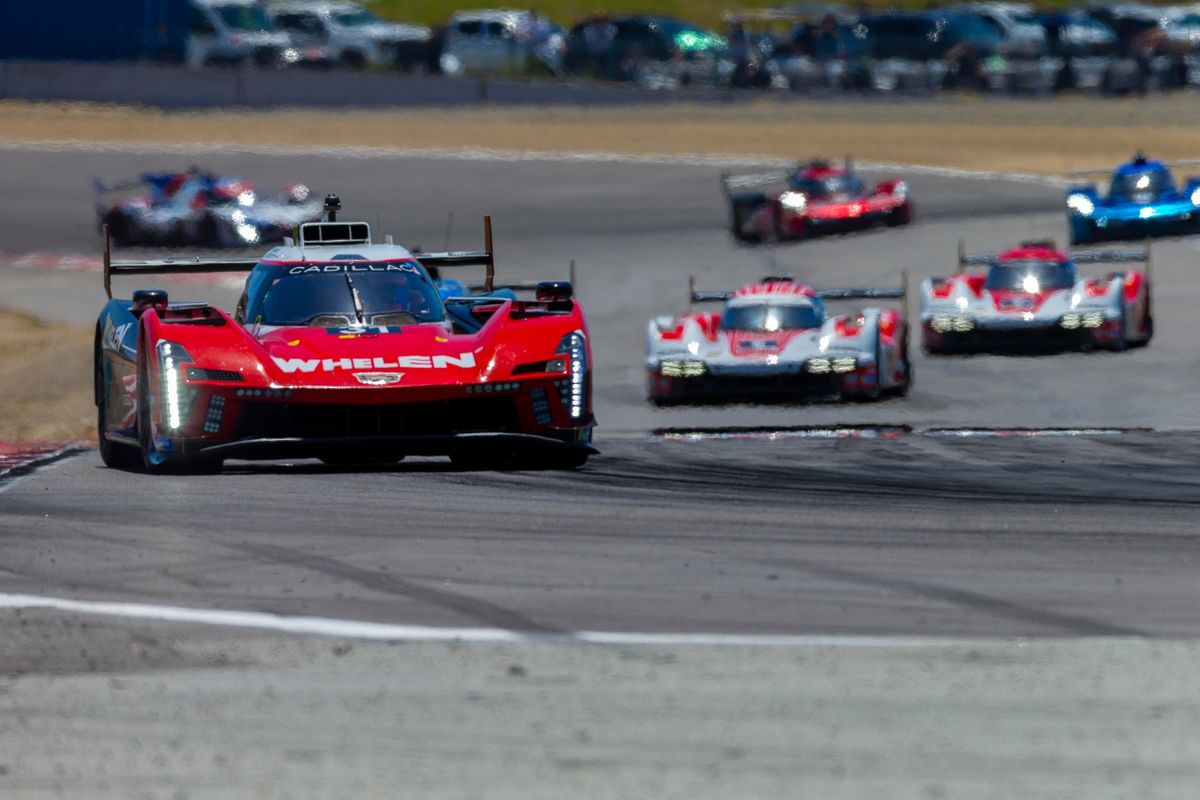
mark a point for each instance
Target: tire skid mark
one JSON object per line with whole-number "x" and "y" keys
{"x": 477, "y": 610}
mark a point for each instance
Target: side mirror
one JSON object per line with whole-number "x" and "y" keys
{"x": 555, "y": 291}
{"x": 149, "y": 298}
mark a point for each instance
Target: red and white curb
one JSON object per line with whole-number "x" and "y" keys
{"x": 80, "y": 262}
{"x": 18, "y": 459}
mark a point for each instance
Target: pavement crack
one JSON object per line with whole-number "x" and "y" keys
{"x": 480, "y": 611}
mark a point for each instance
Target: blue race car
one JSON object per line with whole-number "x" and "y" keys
{"x": 1142, "y": 201}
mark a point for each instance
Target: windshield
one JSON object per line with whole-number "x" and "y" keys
{"x": 244, "y": 18}
{"x": 842, "y": 183}
{"x": 1141, "y": 186}
{"x": 338, "y": 294}
{"x": 769, "y": 318}
{"x": 1031, "y": 276}
{"x": 352, "y": 18}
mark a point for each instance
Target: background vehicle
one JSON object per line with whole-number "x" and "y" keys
{"x": 814, "y": 198}
{"x": 200, "y": 208}
{"x": 774, "y": 340}
{"x": 501, "y": 41}
{"x": 351, "y": 35}
{"x": 341, "y": 349}
{"x": 233, "y": 32}
{"x": 657, "y": 52}
{"x": 906, "y": 45}
{"x": 1033, "y": 298}
{"x": 1142, "y": 200}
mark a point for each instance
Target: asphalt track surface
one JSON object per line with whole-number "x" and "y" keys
{"x": 901, "y": 534}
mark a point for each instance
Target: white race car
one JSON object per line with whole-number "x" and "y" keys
{"x": 775, "y": 341}
{"x": 1033, "y": 298}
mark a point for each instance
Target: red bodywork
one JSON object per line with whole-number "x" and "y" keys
{"x": 804, "y": 208}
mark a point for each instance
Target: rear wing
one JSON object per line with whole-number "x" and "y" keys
{"x": 731, "y": 183}
{"x": 468, "y": 258}
{"x": 165, "y": 266}
{"x": 1142, "y": 256}
{"x": 857, "y": 293}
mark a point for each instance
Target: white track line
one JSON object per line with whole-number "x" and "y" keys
{"x": 379, "y": 631}
{"x": 41, "y": 463}
{"x": 490, "y": 154}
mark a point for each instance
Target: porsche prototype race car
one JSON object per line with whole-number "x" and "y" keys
{"x": 341, "y": 349}
{"x": 1142, "y": 200}
{"x": 1033, "y": 298}
{"x": 197, "y": 208}
{"x": 775, "y": 341}
{"x": 812, "y": 198}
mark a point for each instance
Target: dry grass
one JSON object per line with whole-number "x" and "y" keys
{"x": 45, "y": 380}
{"x": 1047, "y": 137}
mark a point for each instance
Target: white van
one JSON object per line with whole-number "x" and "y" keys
{"x": 233, "y": 32}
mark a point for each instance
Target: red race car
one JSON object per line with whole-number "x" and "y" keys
{"x": 342, "y": 349}
{"x": 812, "y": 198}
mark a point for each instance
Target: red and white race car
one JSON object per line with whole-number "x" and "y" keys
{"x": 1032, "y": 297}
{"x": 774, "y": 341}
{"x": 812, "y": 198}
{"x": 342, "y": 349}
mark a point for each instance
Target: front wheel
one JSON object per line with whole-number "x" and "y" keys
{"x": 114, "y": 454}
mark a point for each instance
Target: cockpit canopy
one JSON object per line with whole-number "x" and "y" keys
{"x": 771, "y": 317}
{"x": 1141, "y": 183}
{"x": 337, "y": 294}
{"x": 1031, "y": 276}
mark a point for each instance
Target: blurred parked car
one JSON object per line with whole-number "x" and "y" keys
{"x": 658, "y": 52}
{"x": 352, "y": 36}
{"x": 233, "y": 32}
{"x": 502, "y": 41}
{"x": 927, "y": 50}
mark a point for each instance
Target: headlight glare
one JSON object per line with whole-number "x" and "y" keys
{"x": 1081, "y": 204}
{"x": 793, "y": 201}
{"x": 170, "y": 357}
{"x": 1196, "y": 196}
{"x": 575, "y": 346}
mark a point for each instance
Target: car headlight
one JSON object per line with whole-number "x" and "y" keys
{"x": 793, "y": 201}
{"x": 1070, "y": 321}
{"x": 1081, "y": 204}
{"x": 1196, "y": 196}
{"x": 818, "y": 366}
{"x": 900, "y": 190}
{"x": 174, "y": 395}
{"x": 682, "y": 369}
{"x": 1092, "y": 319}
{"x": 963, "y": 324}
{"x": 575, "y": 386}
{"x": 843, "y": 364}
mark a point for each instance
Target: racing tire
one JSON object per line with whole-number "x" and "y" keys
{"x": 901, "y": 216}
{"x": 1149, "y": 333}
{"x": 207, "y": 234}
{"x": 901, "y": 390}
{"x": 114, "y": 454}
{"x": 118, "y": 228}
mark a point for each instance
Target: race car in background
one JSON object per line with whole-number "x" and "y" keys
{"x": 1032, "y": 297}
{"x": 812, "y": 198}
{"x": 1142, "y": 200}
{"x": 341, "y": 349}
{"x": 201, "y": 209}
{"x": 774, "y": 340}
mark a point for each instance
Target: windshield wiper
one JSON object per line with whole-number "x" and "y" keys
{"x": 358, "y": 306}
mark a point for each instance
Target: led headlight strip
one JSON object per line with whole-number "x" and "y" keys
{"x": 575, "y": 346}
{"x": 170, "y": 357}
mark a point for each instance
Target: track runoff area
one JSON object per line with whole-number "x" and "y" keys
{"x": 727, "y": 601}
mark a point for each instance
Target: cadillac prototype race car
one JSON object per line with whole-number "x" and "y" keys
{"x": 775, "y": 341}
{"x": 1142, "y": 201}
{"x": 812, "y": 198}
{"x": 342, "y": 349}
{"x": 1033, "y": 298}
{"x": 172, "y": 209}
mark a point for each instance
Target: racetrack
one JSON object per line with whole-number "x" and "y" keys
{"x": 895, "y": 535}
